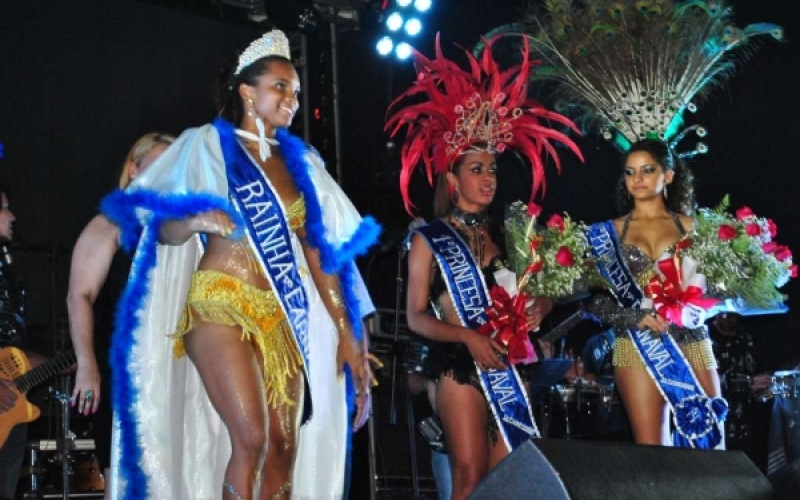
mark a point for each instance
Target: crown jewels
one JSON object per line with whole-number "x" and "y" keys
{"x": 481, "y": 122}
{"x": 273, "y": 43}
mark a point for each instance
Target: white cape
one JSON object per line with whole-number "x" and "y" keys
{"x": 185, "y": 448}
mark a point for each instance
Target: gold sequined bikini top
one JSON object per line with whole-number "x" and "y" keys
{"x": 296, "y": 213}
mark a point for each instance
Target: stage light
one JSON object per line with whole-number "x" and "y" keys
{"x": 385, "y": 46}
{"x": 413, "y": 26}
{"x": 403, "y": 50}
{"x": 394, "y": 22}
{"x": 422, "y": 5}
{"x": 401, "y": 26}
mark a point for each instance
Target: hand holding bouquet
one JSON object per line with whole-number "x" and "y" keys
{"x": 544, "y": 262}
{"x": 678, "y": 292}
{"x": 507, "y": 323}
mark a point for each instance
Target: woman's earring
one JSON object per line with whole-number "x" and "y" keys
{"x": 454, "y": 196}
{"x": 666, "y": 197}
{"x": 251, "y": 108}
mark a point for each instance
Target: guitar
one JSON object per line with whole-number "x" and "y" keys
{"x": 15, "y": 366}
{"x": 564, "y": 327}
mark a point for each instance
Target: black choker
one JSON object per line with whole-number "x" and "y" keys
{"x": 469, "y": 219}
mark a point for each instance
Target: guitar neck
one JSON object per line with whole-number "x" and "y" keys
{"x": 44, "y": 371}
{"x": 563, "y": 328}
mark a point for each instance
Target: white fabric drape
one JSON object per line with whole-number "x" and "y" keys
{"x": 185, "y": 448}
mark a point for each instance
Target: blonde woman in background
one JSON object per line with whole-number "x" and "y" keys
{"x": 95, "y": 261}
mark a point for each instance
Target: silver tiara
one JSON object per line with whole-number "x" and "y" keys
{"x": 273, "y": 43}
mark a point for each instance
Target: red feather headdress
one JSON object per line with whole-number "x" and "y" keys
{"x": 483, "y": 109}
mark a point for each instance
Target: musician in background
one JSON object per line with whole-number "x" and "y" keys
{"x": 12, "y": 334}
{"x": 783, "y": 445}
{"x": 611, "y": 420}
{"x": 733, "y": 349}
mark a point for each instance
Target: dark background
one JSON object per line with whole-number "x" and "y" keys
{"x": 81, "y": 80}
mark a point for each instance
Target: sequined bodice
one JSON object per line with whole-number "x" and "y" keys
{"x": 639, "y": 263}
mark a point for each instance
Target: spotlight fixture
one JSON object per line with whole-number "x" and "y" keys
{"x": 413, "y": 26}
{"x": 422, "y": 5}
{"x": 400, "y": 26}
{"x": 403, "y": 51}
{"x": 394, "y": 22}
{"x": 385, "y": 46}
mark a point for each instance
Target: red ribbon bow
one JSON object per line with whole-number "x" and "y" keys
{"x": 668, "y": 296}
{"x": 508, "y": 325}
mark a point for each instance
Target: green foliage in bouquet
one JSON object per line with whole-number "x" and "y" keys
{"x": 550, "y": 261}
{"x": 738, "y": 256}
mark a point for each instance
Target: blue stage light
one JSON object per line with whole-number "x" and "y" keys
{"x": 385, "y": 46}
{"x": 403, "y": 50}
{"x": 422, "y": 5}
{"x": 403, "y": 3}
{"x": 394, "y": 22}
{"x": 413, "y": 26}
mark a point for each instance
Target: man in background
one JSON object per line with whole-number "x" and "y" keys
{"x": 12, "y": 334}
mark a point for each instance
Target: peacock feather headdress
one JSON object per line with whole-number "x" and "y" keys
{"x": 485, "y": 108}
{"x": 631, "y": 68}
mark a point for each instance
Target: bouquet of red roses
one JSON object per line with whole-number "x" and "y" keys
{"x": 543, "y": 262}
{"x": 739, "y": 256}
{"x": 550, "y": 261}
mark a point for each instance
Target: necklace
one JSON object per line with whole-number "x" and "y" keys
{"x": 473, "y": 225}
{"x": 264, "y": 142}
{"x": 469, "y": 219}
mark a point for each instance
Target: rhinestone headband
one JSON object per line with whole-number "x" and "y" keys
{"x": 273, "y": 43}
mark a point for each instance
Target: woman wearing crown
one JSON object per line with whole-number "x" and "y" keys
{"x": 631, "y": 69}
{"x": 244, "y": 254}
{"x": 468, "y": 118}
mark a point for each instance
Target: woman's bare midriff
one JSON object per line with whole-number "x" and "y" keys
{"x": 232, "y": 257}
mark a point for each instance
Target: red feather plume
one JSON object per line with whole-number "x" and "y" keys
{"x": 483, "y": 105}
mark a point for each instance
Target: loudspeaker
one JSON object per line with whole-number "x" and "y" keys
{"x": 555, "y": 469}
{"x": 787, "y": 482}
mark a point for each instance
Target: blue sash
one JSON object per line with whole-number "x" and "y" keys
{"x": 696, "y": 416}
{"x": 268, "y": 232}
{"x": 503, "y": 388}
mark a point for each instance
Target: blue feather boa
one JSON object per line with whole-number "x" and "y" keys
{"x": 121, "y": 208}
{"x": 334, "y": 260}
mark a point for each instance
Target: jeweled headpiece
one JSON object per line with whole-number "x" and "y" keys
{"x": 483, "y": 109}
{"x": 273, "y": 43}
{"x": 631, "y": 68}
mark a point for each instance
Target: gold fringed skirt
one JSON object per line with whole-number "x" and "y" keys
{"x": 698, "y": 353}
{"x": 216, "y": 297}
